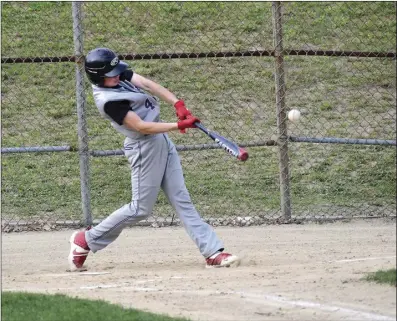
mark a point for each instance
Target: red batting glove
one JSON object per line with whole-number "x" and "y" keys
{"x": 181, "y": 111}
{"x": 187, "y": 123}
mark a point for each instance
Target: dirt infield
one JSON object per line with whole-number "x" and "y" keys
{"x": 288, "y": 272}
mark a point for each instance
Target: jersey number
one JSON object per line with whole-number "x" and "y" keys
{"x": 149, "y": 104}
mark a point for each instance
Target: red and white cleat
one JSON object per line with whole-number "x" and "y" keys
{"x": 78, "y": 252}
{"x": 222, "y": 260}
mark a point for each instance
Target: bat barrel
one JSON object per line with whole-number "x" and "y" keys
{"x": 231, "y": 147}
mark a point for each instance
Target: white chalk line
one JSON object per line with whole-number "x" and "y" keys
{"x": 109, "y": 286}
{"x": 100, "y": 273}
{"x": 75, "y": 274}
{"x": 128, "y": 284}
{"x": 255, "y": 298}
{"x": 262, "y": 298}
{"x": 359, "y": 315}
{"x": 365, "y": 259}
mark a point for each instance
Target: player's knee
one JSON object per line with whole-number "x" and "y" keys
{"x": 137, "y": 211}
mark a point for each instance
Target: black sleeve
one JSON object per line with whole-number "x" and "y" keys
{"x": 117, "y": 110}
{"x": 126, "y": 75}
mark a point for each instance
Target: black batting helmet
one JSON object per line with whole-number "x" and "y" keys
{"x": 101, "y": 63}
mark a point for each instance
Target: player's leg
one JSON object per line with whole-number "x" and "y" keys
{"x": 147, "y": 160}
{"x": 202, "y": 234}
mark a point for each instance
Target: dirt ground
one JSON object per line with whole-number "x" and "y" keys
{"x": 288, "y": 272}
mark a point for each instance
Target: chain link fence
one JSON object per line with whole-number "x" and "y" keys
{"x": 240, "y": 67}
{"x": 351, "y": 97}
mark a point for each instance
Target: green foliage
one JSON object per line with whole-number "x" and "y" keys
{"x": 337, "y": 178}
{"x": 341, "y": 25}
{"x": 383, "y": 277}
{"x": 326, "y": 105}
{"x": 17, "y": 306}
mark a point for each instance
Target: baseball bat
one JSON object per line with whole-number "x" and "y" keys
{"x": 232, "y": 148}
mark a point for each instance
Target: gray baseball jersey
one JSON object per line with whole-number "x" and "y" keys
{"x": 154, "y": 164}
{"x": 144, "y": 105}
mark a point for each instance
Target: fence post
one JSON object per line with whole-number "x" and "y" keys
{"x": 281, "y": 112}
{"x": 84, "y": 155}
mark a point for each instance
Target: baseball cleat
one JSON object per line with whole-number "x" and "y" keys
{"x": 222, "y": 260}
{"x": 78, "y": 252}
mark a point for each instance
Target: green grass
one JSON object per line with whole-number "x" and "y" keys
{"x": 17, "y": 306}
{"x": 340, "y": 97}
{"x": 340, "y": 25}
{"x": 383, "y": 277}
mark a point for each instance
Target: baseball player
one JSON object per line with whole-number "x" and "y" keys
{"x": 131, "y": 103}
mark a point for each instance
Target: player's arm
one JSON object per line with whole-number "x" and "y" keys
{"x": 133, "y": 121}
{"x": 154, "y": 88}
{"x": 157, "y": 90}
{"x": 121, "y": 113}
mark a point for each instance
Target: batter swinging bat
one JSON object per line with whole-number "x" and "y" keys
{"x": 232, "y": 148}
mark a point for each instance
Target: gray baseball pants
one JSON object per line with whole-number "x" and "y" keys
{"x": 154, "y": 164}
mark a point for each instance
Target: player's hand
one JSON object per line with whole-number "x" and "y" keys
{"x": 181, "y": 111}
{"x": 187, "y": 123}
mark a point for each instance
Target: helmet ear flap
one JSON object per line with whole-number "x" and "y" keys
{"x": 94, "y": 78}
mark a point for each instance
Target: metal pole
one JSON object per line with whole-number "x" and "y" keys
{"x": 281, "y": 112}
{"x": 84, "y": 155}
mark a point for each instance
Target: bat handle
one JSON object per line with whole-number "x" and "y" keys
{"x": 201, "y": 127}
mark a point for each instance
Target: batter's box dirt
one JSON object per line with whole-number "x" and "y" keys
{"x": 287, "y": 272}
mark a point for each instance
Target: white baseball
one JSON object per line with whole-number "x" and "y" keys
{"x": 294, "y": 115}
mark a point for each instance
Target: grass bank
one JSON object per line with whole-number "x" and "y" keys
{"x": 343, "y": 97}
{"x": 17, "y": 306}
